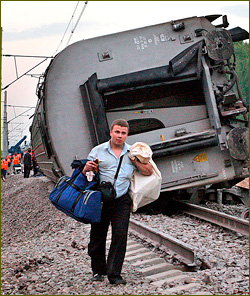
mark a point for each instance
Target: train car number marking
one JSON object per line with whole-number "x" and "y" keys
{"x": 176, "y": 166}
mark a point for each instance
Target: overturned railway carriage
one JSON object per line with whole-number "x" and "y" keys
{"x": 175, "y": 84}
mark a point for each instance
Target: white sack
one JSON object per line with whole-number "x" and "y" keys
{"x": 142, "y": 151}
{"x": 144, "y": 189}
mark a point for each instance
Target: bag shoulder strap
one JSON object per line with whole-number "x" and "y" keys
{"x": 118, "y": 168}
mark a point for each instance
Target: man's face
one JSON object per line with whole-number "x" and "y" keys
{"x": 118, "y": 135}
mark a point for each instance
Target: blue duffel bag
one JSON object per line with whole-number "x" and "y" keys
{"x": 73, "y": 196}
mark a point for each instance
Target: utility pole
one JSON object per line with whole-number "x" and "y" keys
{"x": 5, "y": 123}
{"x": 5, "y": 127}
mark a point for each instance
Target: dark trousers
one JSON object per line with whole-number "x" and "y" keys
{"x": 3, "y": 173}
{"x": 26, "y": 171}
{"x": 117, "y": 213}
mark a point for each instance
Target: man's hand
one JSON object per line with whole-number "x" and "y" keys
{"x": 90, "y": 166}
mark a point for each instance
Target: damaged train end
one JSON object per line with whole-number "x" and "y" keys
{"x": 175, "y": 83}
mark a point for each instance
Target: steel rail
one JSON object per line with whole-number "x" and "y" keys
{"x": 224, "y": 220}
{"x": 181, "y": 250}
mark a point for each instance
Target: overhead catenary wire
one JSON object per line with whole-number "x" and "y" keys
{"x": 71, "y": 19}
{"x": 72, "y": 32}
{"x": 24, "y": 74}
{"x": 16, "y": 116}
{"x": 45, "y": 57}
{"x": 25, "y": 56}
{"x": 14, "y": 128}
{"x": 20, "y": 106}
{"x": 28, "y": 123}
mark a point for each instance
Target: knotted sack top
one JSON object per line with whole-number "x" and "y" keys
{"x": 142, "y": 151}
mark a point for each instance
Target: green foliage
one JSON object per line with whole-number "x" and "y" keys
{"x": 242, "y": 67}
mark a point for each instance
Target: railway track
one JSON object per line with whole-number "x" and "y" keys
{"x": 155, "y": 268}
{"x": 221, "y": 219}
{"x": 159, "y": 272}
{"x": 67, "y": 267}
{"x": 181, "y": 250}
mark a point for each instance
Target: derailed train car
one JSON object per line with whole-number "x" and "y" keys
{"x": 175, "y": 83}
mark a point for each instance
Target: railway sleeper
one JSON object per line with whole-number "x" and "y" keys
{"x": 146, "y": 255}
{"x": 148, "y": 262}
{"x": 164, "y": 275}
{"x": 187, "y": 288}
{"x": 151, "y": 270}
{"x": 132, "y": 247}
{"x": 157, "y": 271}
{"x": 181, "y": 278}
{"x": 139, "y": 250}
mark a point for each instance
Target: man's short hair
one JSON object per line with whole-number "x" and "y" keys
{"x": 120, "y": 122}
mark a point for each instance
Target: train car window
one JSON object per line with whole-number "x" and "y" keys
{"x": 137, "y": 126}
{"x": 156, "y": 96}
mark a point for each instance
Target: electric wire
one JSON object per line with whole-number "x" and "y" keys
{"x": 24, "y": 74}
{"x": 18, "y": 77}
{"x": 72, "y": 32}
{"x": 72, "y": 17}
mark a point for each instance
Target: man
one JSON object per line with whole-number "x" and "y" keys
{"x": 3, "y": 171}
{"x": 16, "y": 162}
{"x": 16, "y": 159}
{"x": 34, "y": 163}
{"x": 27, "y": 163}
{"x": 8, "y": 159}
{"x": 116, "y": 212}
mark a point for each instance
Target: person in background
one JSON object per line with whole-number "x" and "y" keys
{"x": 8, "y": 158}
{"x": 27, "y": 163}
{"x": 6, "y": 166}
{"x": 117, "y": 211}
{"x": 35, "y": 167}
{"x": 3, "y": 171}
{"x": 16, "y": 162}
{"x": 16, "y": 159}
{"x": 19, "y": 156}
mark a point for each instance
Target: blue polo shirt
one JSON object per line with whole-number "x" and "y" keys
{"x": 108, "y": 163}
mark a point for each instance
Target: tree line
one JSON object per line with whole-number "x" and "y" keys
{"x": 242, "y": 68}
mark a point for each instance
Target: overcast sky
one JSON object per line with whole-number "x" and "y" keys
{"x": 36, "y": 28}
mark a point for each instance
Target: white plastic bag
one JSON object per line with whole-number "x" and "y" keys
{"x": 144, "y": 189}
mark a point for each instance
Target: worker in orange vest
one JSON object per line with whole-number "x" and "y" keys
{"x": 8, "y": 159}
{"x": 20, "y": 156}
{"x": 16, "y": 159}
{"x": 32, "y": 154}
{"x": 16, "y": 162}
{"x": 3, "y": 171}
{"x": 6, "y": 166}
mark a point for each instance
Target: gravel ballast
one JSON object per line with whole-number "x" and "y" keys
{"x": 45, "y": 252}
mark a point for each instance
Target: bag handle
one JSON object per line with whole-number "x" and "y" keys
{"x": 118, "y": 168}
{"x": 70, "y": 182}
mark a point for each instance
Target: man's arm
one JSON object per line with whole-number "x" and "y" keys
{"x": 145, "y": 169}
{"x": 90, "y": 164}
